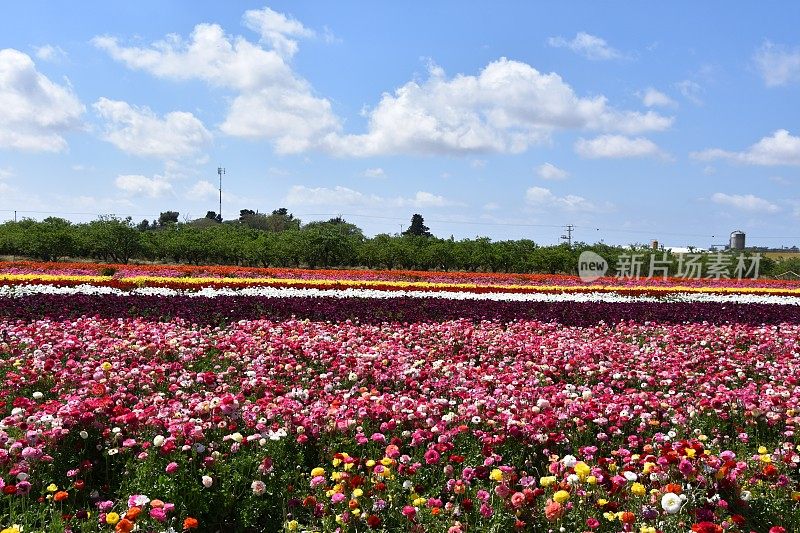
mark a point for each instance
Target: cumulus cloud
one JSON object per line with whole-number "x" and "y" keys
{"x": 617, "y": 147}
{"x": 691, "y": 90}
{"x": 777, "y": 64}
{"x": 780, "y": 148}
{"x": 202, "y": 190}
{"x": 745, "y": 202}
{"x": 49, "y": 52}
{"x": 587, "y": 45}
{"x": 376, "y": 172}
{"x": 655, "y": 98}
{"x": 507, "y": 107}
{"x": 138, "y": 185}
{"x": 35, "y": 111}
{"x": 549, "y": 171}
{"x": 343, "y": 196}
{"x": 277, "y": 29}
{"x": 541, "y": 198}
{"x": 271, "y": 101}
{"x": 139, "y": 131}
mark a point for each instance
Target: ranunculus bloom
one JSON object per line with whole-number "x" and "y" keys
{"x": 553, "y": 510}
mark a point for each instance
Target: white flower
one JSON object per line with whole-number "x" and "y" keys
{"x": 84, "y": 434}
{"x": 569, "y": 461}
{"x": 258, "y": 487}
{"x": 207, "y": 481}
{"x": 671, "y": 503}
{"x": 38, "y": 395}
{"x": 237, "y": 437}
{"x": 745, "y": 495}
{"x": 158, "y": 441}
{"x": 630, "y": 476}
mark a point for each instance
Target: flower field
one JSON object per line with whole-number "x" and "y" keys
{"x": 172, "y": 398}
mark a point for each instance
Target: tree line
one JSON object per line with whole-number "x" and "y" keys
{"x": 278, "y": 239}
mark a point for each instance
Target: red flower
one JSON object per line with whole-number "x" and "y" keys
{"x": 706, "y": 527}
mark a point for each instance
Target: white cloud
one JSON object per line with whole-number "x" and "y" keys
{"x": 376, "y": 172}
{"x": 616, "y": 147}
{"x": 478, "y": 163}
{"x": 507, "y": 107}
{"x": 343, "y": 196}
{"x": 139, "y": 131}
{"x": 138, "y": 185}
{"x": 587, "y": 45}
{"x": 271, "y": 100}
{"x": 49, "y": 52}
{"x": 691, "y": 90}
{"x": 35, "y": 111}
{"x": 745, "y": 202}
{"x": 491, "y": 206}
{"x": 6, "y": 172}
{"x": 549, "y": 171}
{"x": 781, "y": 148}
{"x": 541, "y": 198}
{"x": 655, "y": 98}
{"x": 276, "y": 29}
{"x": 202, "y": 190}
{"x": 777, "y": 64}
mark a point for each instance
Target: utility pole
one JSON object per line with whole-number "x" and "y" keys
{"x": 568, "y": 237}
{"x": 220, "y": 171}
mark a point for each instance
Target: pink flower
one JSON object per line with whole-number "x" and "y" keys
{"x": 171, "y": 468}
{"x": 432, "y": 456}
{"x": 517, "y": 500}
{"x": 553, "y": 510}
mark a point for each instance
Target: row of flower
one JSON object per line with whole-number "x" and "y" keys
{"x": 68, "y": 280}
{"x": 210, "y": 306}
{"x": 118, "y": 271}
{"x": 266, "y": 425}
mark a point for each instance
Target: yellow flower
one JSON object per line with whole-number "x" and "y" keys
{"x": 582, "y": 469}
{"x": 766, "y": 459}
{"x": 370, "y": 463}
{"x": 647, "y": 529}
{"x": 601, "y": 502}
{"x": 610, "y": 516}
{"x": 52, "y": 487}
{"x": 561, "y": 496}
{"x": 106, "y": 366}
{"x": 348, "y": 466}
{"x": 612, "y": 467}
{"x": 648, "y": 467}
{"x": 762, "y": 450}
{"x": 292, "y": 525}
{"x": 336, "y": 476}
{"x": 546, "y": 481}
{"x": 112, "y": 518}
{"x": 419, "y": 502}
{"x": 496, "y": 475}
{"x": 357, "y": 493}
{"x": 591, "y": 480}
{"x": 387, "y": 461}
{"x": 318, "y": 472}
{"x": 356, "y": 512}
{"x": 638, "y": 489}
{"x": 12, "y": 529}
{"x": 690, "y": 452}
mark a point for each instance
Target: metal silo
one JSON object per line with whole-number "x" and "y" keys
{"x": 737, "y": 240}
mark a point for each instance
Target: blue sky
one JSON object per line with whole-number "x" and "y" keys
{"x": 633, "y": 121}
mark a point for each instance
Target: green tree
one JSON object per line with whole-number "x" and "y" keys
{"x": 418, "y": 227}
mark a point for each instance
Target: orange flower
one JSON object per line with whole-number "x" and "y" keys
{"x": 673, "y": 488}
{"x": 155, "y": 504}
{"x": 60, "y": 496}
{"x": 133, "y": 513}
{"x": 628, "y": 517}
{"x": 190, "y": 523}
{"x": 124, "y": 526}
